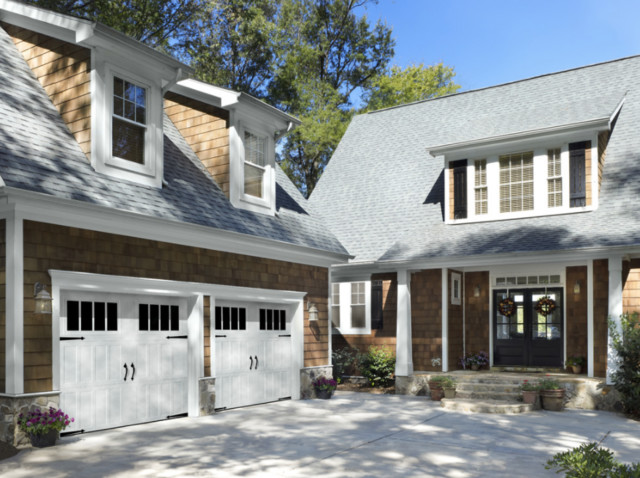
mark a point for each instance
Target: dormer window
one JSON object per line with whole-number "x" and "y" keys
{"x": 129, "y": 126}
{"x": 255, "y": 162}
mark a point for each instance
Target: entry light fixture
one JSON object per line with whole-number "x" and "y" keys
{"x": 576, "y": 287}
{"x": 42, "y": 299}
{"x": 476, "y": 291}
{"x": 313, "y": 312}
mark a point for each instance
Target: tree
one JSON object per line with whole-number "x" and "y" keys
{"x": 414, "y": 83}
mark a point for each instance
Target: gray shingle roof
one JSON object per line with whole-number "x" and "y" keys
{"x": 38, "y": 153}
{"x": 382, "y": 193}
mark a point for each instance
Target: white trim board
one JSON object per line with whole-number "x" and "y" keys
{"x": 65, "y": 212}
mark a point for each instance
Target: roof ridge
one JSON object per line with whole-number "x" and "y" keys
{"x": 500, "y": 85}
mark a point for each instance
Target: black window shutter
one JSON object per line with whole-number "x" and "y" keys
{"x": 578, "y": 196}
{"x": 376, "y": 304}
{"x": 459, "y": 189}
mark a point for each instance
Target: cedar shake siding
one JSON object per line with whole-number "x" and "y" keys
{"x": 600, "y": 315}
{"x": 386, "y": 336}
{"x": 455, "y": 331}
{"x": 576, "y": 312}
{"x": 631, "y": 290}
{"x": 426, "y": 318}
{"x": 64, "y": 71}
{"x": 206, "y": 130}
{"x": 476, "y": 313}
{"x": 3, "y": 303}
{"x": 48, "y": 246}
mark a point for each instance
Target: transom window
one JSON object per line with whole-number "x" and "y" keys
{"x": 129, "y": 120}
{"x": 516, "y": 182}
{"x": 255, "y": 161}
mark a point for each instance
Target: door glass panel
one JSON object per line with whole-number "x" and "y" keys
{"x": 546, "y": 327}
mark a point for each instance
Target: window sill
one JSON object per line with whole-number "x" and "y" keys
{"x": 528, "y": 215}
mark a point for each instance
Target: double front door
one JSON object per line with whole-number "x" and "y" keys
{"x": 522, "y": 335}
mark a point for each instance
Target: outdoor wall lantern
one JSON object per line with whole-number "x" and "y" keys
{"x": 576, "y": 287}
{"x": 313, "y": 312}
{"x": 42, "y": 299}
{"x": 476, "y": 291}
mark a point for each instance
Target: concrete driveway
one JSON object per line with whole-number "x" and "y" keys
{"x": 353, "y": 434}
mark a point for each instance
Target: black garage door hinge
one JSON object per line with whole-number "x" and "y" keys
{"x": 220, "y": 336}
{"x": 289, "y": 335}
{"x": 177, "y": 336}
{"x": 71, "y": 338}
{"x": 178, "y": 415}
{"x": 68, "y": 434}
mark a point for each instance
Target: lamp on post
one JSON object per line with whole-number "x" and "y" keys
{"x": 42, "y": 299}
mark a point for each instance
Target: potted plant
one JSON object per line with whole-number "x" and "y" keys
{"x": 43, "y": 428}
{"x": 530, "y": 392}
{"x": 436, "y": 387}
{"x": 552, "y": 395}
{"x": 575, "y": 363}
{"x": 324, "y": 387}
{"x": 475, "y": 361}
{"x": 449, "y": 387}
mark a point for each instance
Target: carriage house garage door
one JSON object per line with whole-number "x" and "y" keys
{"x": 123, "y": 359}
{"x": 252, "y": 353}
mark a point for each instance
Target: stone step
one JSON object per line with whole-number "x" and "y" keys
{"x": 488, "y": 387}
{"x": 485, "y": 406}
{"x": 491, "y": 379}
{"x": 488, "y": 395}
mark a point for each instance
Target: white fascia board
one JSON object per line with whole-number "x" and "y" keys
{"x": 224, "y": 97}
{"x": 467, "y": 263}
{"x": 513, "y": 139}
{"x": 66, "y": 212}
{"x": 84, "y": 281}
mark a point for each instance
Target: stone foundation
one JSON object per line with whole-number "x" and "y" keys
{"x": 412, "y": 385}
{"x": 308, "y": 375}
{"x": 207, "y": 391}
{"x": 12, "y": 406}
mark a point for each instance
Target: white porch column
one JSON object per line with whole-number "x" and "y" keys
{"x": 14, "y": 332}
{"x": 404, "y": 351}
{"x": 615, "y": 307}
{"x": 590, "y": 333}
{"x": 195, "y": 325}
{"x": 445, "y": 320}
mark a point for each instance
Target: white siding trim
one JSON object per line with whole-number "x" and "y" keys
{"x": 590, "y": 329}
{"x": 195, "y": 365}
{"x": 445, "y": 321}
{"x": 297, "y": 347}
{"x": 14, "y": 297}
{"x": 404, "y": 349}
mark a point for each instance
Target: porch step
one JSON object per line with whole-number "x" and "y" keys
{"x": 485, "y": 406}
{"x": 527, "y": 369}
{"x": 488, "y": 395}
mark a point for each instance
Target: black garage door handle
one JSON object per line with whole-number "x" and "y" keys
{"x": 251, "y": 366}
{"x": 256, "y": 362}
{"x": 126, "y": 372}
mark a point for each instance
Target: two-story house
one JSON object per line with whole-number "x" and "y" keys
{"x": 186, "y": 272}
{"x": 504, "y": 219}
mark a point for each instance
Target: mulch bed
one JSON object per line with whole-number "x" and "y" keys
{"x": 366, "y": 388}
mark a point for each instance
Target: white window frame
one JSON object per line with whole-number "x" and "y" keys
{"x": 151, "y": 170}
{"x": 345, "y": 327}
{"x": 456, "y": 288}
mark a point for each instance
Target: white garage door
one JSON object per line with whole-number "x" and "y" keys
{"x": 123, "y": 359}
{"x": 252, "y": 353}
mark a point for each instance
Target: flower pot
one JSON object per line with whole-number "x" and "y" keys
{"x": 437, "y": 394}
{"x": 45, "y": 440}
{"x": 475, "y": 367}
{"x": 324, "y": 394}
{"x": 552, "y": 400}
{"x": 449, "y": 393}
{"x": 530, "y": 396}
{"x": 576, "y": 369}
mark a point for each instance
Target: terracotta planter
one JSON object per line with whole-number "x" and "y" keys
{"x": 552, "y": 400}
{"x": 45, "y": 440}
{"x": 324, "y": 394}
{"x": 449, "y": 393}
{"x": 530, "y": 396}
{"x": 436, "y": 391}
{"x": 576, "y": 369}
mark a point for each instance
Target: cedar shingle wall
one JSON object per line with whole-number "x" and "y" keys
{"x": 205, "y": 128}
{"x": 426, "y": 318}
{"x": 56, "y": 247}
{"x": 385, "y": 336}
{"x": 455, "y": 327}
{"x": 576, "y": 312}
{"x": 600, "y": 315}
{"x": 477, "y": 312}
{"x": 631, "y": 290}
{"x": 64, "y": 70}
{"x": 3, "y": 304}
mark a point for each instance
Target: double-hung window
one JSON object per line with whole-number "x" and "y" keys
{"x": 481, "y": 187}
{"x": 554, "y": 177}
{"x": 255, "y": 162}
{"x": 129, "y": 121}
{"x": 356, "y": 307}
{"x": 516, "y": 182}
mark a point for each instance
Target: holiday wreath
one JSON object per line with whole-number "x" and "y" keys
{"x": 507, "y": 307}
{"x": 545, "y": 305}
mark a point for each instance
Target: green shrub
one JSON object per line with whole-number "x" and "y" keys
{"x": 626, "y": 379}
{"x": 378, "y": 365}
{"x": 345, "y": 362}
{"x": 591, "y": 461}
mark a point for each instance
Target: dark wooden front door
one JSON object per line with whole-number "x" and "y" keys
{"x": 528, "y": 338}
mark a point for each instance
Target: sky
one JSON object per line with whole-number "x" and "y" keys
{"x": 490, "y": 42}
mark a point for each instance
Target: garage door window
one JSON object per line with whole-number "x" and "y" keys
{"x": 273, "y": 319}
{"x": 92, "y": 316}
{"x": 231, "y": 318}
{"x": 155, "y": 317}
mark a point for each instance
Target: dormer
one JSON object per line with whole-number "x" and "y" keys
{"x": 536, "y": 172}
{"x": 234, "y": 135}
{"x": 107, "y": 87}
